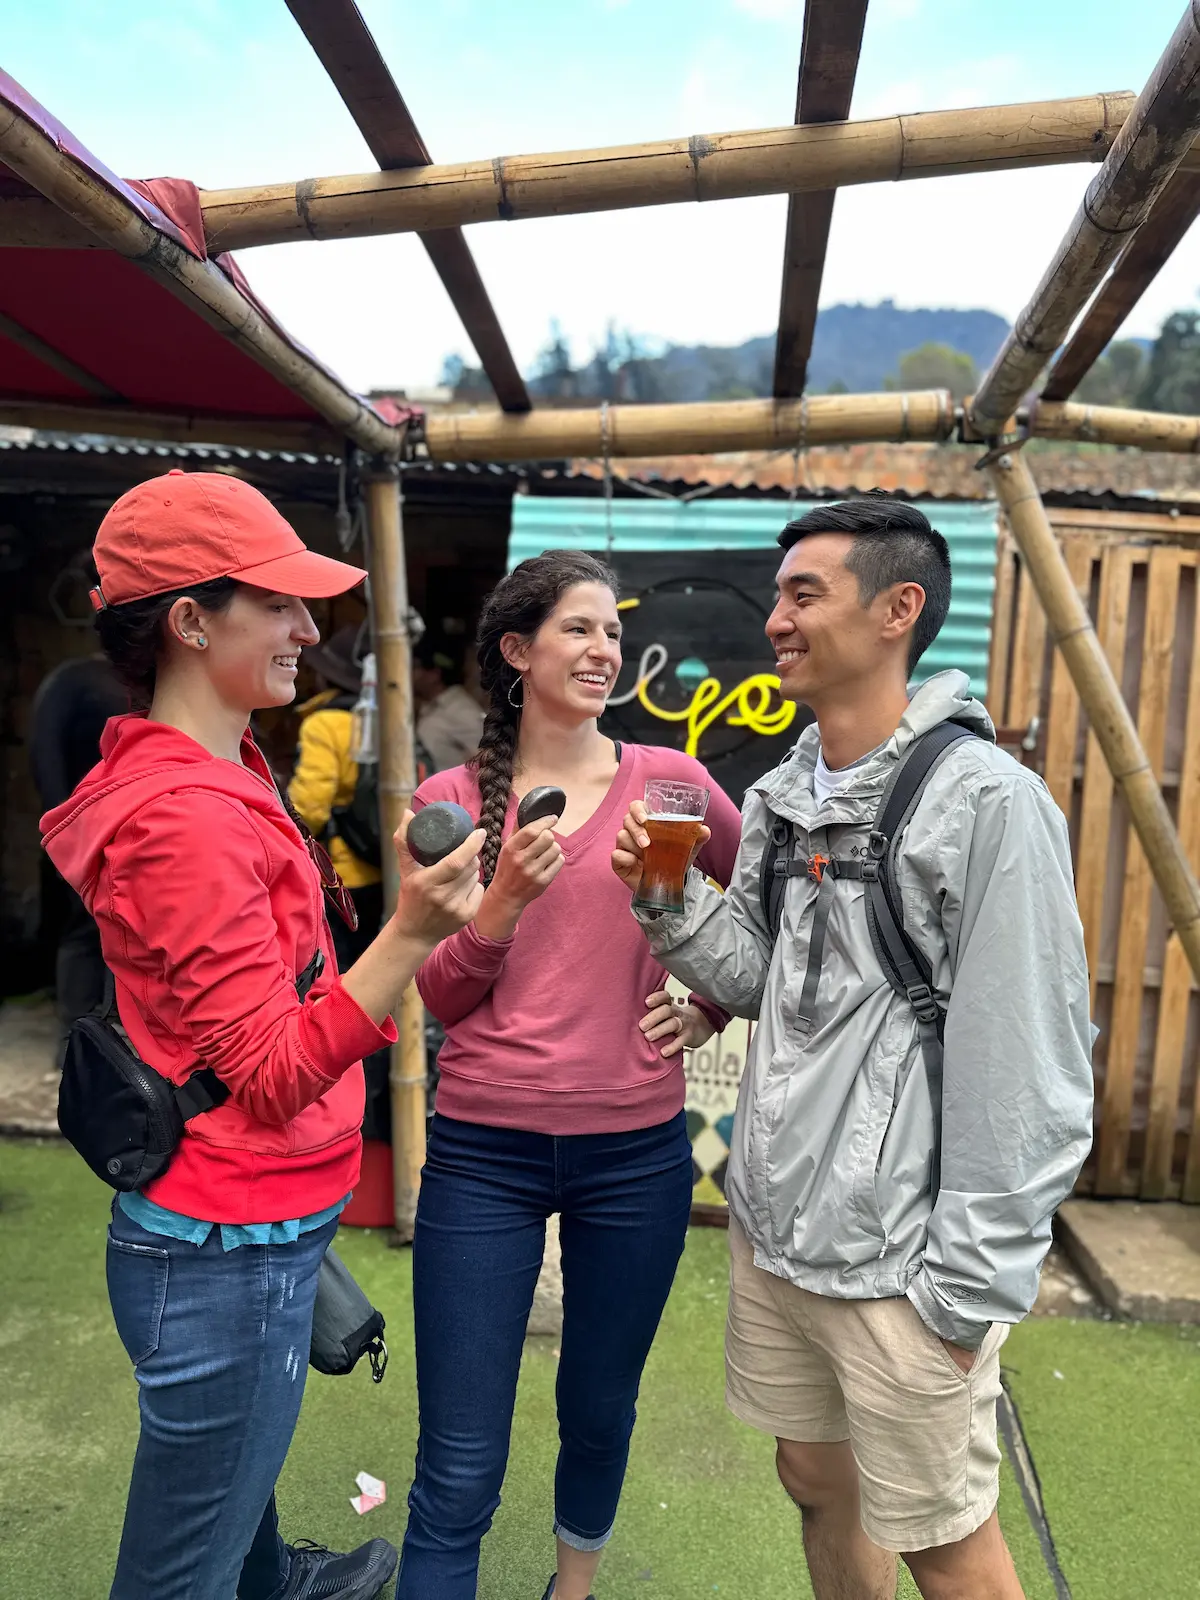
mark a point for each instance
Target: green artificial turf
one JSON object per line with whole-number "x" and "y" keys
{"x": 1111, "y": 1412}
{"x": 702, "y": 1513}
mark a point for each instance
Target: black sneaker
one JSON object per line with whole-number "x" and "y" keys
{"x": 318, "y": 1573}
{"x": 549, "y": 1594}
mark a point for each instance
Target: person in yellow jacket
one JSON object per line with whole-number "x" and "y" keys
{"x": 323, "y": 779}
{"x": 325, "y": 776}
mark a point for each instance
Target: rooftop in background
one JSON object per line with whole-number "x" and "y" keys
{"x": 1065, "y": 472}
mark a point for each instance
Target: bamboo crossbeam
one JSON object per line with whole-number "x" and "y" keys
{"x": 832, "y": 41}
{"x": 1164, "y": 431}
{"x": 349, "y": 54}
{"x": 719, "y": 166}
{"x": 1100, "y": 694}
{"x": 703, "y": 427}
{"x": 201, "y": 285}
{"x": 397, "y": 780}
{"x": 123, "y": 422}
{"x": 1142, "y": 259}
{"x": 1150, "y": 146}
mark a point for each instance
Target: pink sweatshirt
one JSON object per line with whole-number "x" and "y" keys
{"x": 542, "y": 1029}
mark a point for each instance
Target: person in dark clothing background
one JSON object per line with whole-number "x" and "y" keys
{"x": 70, "y": 709}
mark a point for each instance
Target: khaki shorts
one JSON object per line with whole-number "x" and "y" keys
{"x": 810, "y": 1368}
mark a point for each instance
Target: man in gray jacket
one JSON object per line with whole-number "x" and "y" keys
{"x": 889, "y": 1212}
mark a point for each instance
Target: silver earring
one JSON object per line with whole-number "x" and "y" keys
{"x": 517, "y": 705}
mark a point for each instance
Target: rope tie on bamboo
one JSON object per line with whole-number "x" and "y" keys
{"x": 800, "y": 447}
{"x": 608, "y": 482}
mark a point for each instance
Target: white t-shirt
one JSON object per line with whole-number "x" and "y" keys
{"x": 831, "y": 780}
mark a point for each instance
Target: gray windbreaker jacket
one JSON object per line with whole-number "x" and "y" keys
{"x": 836, "y": 1131}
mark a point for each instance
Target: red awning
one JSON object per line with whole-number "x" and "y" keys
{"x": 88, "y": 327}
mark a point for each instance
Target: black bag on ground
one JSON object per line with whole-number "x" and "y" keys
{"x": 125, "y": 1119}
{"x": 346, "y": 1326}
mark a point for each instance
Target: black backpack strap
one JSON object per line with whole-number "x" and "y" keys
{"x": 773, "y": 871}
{"x": 203, "y": 1090}
{"x": 904, "y": 966}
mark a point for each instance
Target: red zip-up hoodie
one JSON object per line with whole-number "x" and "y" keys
{"x": 209, "y": 906}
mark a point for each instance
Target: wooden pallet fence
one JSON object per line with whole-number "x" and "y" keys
{"x": 1139, "y": 575}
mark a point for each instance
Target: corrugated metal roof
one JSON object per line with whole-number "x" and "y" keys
{"x": 917, "y": 470}
{"x": 546, "y": 523}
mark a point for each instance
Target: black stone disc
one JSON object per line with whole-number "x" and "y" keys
{"x": 436, "y": 830}
{"x": 544, "y": 801}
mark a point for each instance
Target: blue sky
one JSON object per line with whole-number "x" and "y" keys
{"x": 227, "y": 92}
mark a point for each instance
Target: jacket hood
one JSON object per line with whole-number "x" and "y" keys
{"x": 139, "y": 761}
{"x": 946, "y": 697}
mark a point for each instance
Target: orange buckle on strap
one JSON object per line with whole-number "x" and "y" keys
{"x": 816, "y": 868}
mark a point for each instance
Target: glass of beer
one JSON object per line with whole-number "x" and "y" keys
{"x": 674, "y": 822}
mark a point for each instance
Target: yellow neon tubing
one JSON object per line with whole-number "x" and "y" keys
{"x": 752, "y": 697}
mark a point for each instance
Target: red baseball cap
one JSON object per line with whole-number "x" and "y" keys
{"x": 189, "y": 527}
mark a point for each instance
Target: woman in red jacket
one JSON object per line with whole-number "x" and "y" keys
{"x": 559, "y": 1092}
{"x": 209, "y": 903}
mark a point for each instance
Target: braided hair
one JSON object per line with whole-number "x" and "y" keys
{"x": 520, "y": 603}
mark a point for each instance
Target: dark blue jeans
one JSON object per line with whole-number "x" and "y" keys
{"x": 624, "y": 1200}
{"x": 219, "y": 1344}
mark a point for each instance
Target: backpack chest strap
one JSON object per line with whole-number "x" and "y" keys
{"x": 819, "y": 867}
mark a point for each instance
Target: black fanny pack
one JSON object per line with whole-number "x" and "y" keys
{"x": 125, "y": 1119}
{"x": 346, "y": 1326}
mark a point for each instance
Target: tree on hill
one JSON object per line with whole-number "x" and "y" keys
{"x": 1116, "y": 378}
{"x": 935, "y": 366}
{"x": 1172, "y": 380}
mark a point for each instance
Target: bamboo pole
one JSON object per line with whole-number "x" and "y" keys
{"x": 1150, "y": 146}
{"x": 709, "y": 426}
{"x": 397, "y": 779}
{"x": 1148, "y": 430}
{"x": 258, "y": 433}
{"x": 201, "y": 285}
{"x": 719, "y": 166}
{"x": 1100, "y": 694}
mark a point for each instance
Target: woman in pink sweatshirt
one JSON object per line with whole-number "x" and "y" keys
{"x": 559, "y": 1092}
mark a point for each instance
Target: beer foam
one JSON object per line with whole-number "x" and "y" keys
{"x": 670, "y": 816}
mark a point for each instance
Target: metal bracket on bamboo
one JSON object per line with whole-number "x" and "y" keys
{"x": 1011, "y": 437}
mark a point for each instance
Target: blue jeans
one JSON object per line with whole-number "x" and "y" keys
{"x": 624, "y": 1200}
{"x": 219, "y": 1344}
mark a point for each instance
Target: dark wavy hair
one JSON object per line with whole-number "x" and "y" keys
{"x": 519, "y": 603}
{"x": 132, "y": 635}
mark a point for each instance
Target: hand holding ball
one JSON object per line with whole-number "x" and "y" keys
{"x": 436, "y": 830}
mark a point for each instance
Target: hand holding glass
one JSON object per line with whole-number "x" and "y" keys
{"x": 674, "y": 825}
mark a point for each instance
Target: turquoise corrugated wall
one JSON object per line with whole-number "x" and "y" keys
{"x": 549, "y": 522}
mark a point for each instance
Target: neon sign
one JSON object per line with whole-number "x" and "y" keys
{"x": 748, "y": 704}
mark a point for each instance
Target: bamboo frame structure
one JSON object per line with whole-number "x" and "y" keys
{"x": 647, "y": 430}
{"x": 36, "y": 158}
{"x": 1150, "y": 146}
{"x": 345, "y": 48}
{"x": 719, "y": 166}
{"x": 1136, "y": 269}
{"x": 1168, "y": 432}
{"x": 832, "y": 41}
{"x": 1073, "y": 633}
{"x": 126, "y": 422}
{"x": 397, "y": 780}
